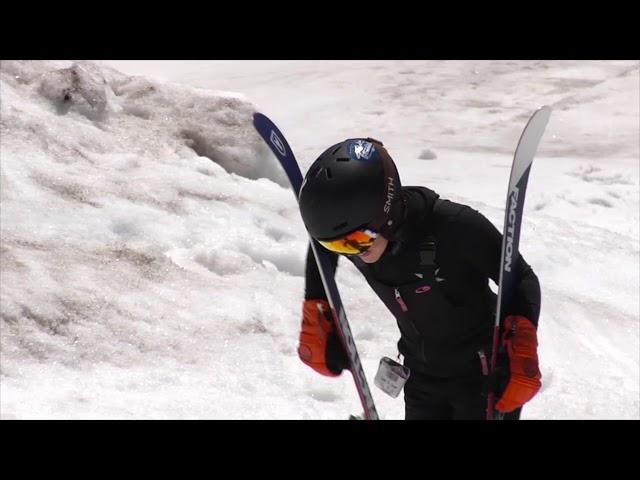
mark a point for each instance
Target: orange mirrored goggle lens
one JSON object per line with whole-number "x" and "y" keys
{"x": 353, "y": 244}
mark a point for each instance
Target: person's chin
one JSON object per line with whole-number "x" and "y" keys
{"x": 368, "y": 257}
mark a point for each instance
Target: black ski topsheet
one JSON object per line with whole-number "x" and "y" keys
{"x": 281, "y": 149}
{"x": 510, "y": 255}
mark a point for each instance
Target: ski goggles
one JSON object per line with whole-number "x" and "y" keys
{"x": 355, "y": 243}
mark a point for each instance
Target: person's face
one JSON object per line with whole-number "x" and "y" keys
{"x": 376, "y": 250}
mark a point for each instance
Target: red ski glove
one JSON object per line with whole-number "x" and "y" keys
{"x": 521, "y": 343}
{"x": 320, "y": 347}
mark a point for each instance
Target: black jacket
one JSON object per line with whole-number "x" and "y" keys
{"x": 434, "y": 278}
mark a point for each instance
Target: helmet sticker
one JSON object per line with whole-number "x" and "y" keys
{"x": 361, "y": 150}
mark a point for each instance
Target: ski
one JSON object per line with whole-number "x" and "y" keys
{"x": 281, "y": 149}
{"x": 509, "y": 257}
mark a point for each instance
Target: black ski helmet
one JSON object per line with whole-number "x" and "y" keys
{"x": 353, "y": 184}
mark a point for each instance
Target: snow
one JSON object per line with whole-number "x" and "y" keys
{"x": 152, "y": 255}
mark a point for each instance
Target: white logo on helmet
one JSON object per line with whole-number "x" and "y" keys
{"x": 390, "y": 194}
{"x": 361, "y": 150}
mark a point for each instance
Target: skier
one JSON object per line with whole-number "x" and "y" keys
{"x": 429, "y": 260}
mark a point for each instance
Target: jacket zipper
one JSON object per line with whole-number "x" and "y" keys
{"x": 483, "y": 362}
{"x": 400, "y": 301}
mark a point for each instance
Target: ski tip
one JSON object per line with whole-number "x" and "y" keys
{"x": 545, "y": 111}
{"x": 538, "y": 121}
